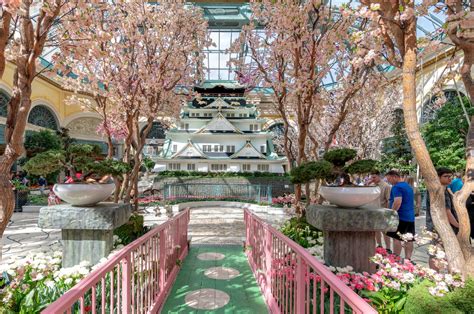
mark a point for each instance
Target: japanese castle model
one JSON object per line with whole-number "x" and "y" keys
{"x": 218, "y": 132}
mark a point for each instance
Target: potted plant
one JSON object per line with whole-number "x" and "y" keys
{"x": 334, "y": 170}
{"x": 90, "y": 176}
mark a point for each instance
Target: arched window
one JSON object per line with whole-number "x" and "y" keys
{"x": 430, "y": 108}
{"x": 157, "y": 131}
{"x": 42, "y": 116}
{"x": 4, "y": 99}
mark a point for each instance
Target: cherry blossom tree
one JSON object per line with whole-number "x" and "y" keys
{"x": 293, "y": 54}
{"x": 25, "y": 31}
{"x": 134, "y": 55}
{"x": 392, "y": 29}
{"x": 369, "y": 119}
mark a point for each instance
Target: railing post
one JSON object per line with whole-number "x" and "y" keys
{"x": 269, "y": 193}
{"x": 268, "y": 262}
{"x": 300, "y": 284}
{"x": 126, "y": 284}
{"x": 162, "y": 260}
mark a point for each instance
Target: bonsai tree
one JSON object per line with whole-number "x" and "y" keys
{"x": 334, "y": 165}
{"x": 149, "y": 164}
{"x": 83, "y": 162}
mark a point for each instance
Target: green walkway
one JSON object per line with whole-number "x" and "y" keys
{"x": 239, "y": 294}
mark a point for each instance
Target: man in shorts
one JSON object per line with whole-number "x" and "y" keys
{"x": 402, "y": 201}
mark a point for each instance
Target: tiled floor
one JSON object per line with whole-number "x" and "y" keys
{"x": 244, "y": 294}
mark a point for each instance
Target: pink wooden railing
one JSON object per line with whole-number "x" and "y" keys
{"x": 136, "y": 279}
{"x": 291, "y": 280}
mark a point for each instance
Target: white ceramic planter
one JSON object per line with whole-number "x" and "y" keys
{"x": 83, "y": 194}
{"x": 350, "y": 196}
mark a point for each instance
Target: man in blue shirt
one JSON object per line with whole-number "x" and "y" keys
{"x": 402, "y": 201}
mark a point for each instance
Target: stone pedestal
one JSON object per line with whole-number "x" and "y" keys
{"x": 87, "y": 232}
{"x": 349, "y": 233}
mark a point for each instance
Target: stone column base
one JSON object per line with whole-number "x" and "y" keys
{"x": 85, "y": 245}
{"x": 350, "y": 248}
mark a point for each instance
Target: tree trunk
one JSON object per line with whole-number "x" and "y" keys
{"x": 4, "y": 37}
{"x": 438, "y": 211}
{"x": 14, "y": 149}
{"x": 300, "y": 159}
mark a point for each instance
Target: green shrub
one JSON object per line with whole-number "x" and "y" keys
{"x": 362, "y": 166}
{"x": 132, "y": 230}
{"x": 338, "y": 157}
{"x": 300, "y": 231}
{"x": 199, "y": 174}
{"x": 421, "y": 301}
{"x": 311, "y": 170}
{"x": 463, "y": 298}
{"x": 37, "y": 199}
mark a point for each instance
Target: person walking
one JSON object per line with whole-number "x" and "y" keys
{"x": 383, "y": 202}
{"x": 402, "y": 201}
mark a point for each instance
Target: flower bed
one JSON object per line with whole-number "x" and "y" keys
{"x": 397, "y": 283}
{"x": 31, "y": 284}
{"x": 36, "y": 281}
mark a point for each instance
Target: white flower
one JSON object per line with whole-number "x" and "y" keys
{"x": 38, "y": 277}
{"x": 394, "y": 284}
{"x": 84, "y": 264}
{"x": 41, "y": 266}
{"x": 440, "y": 254}
{"x": 49, "y": 283}
{"x": 449, "y": 279}
{"x": 68, "y": 281}
{"x": 332, "y": 268}
{"x": 83, "y": 271}
{"x": 408, "y": 278}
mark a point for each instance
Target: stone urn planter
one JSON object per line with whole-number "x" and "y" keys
{"x": 350, "y": 196}
{"x": 83, "y": 194}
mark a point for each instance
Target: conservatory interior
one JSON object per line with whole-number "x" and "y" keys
{"x": 236, "y": 156}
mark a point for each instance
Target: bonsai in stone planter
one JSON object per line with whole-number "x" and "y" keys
{"x": 334, "y": 170}
{"x": 90, "y": 176}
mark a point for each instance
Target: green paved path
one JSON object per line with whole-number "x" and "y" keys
{"x": 242, "y": 291}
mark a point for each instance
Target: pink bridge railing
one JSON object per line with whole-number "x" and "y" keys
{"x": 135, "y": 280}
{"x": 291, "y": 280}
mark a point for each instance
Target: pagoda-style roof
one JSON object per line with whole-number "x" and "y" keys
{"x": 218, "y": 104}
{"x": 220, "y": 88}
{"x": 190, "y": 151}
{"x": 248, "y": 151}
{"x": 219, "y": 124}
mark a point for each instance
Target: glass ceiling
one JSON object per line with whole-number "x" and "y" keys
{"x": 226, "y": 20}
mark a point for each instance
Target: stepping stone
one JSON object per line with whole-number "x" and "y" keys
{"x": 206, "y": 299}
{"x": 210, "y": 256}
{"x": 222, "y": 273}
